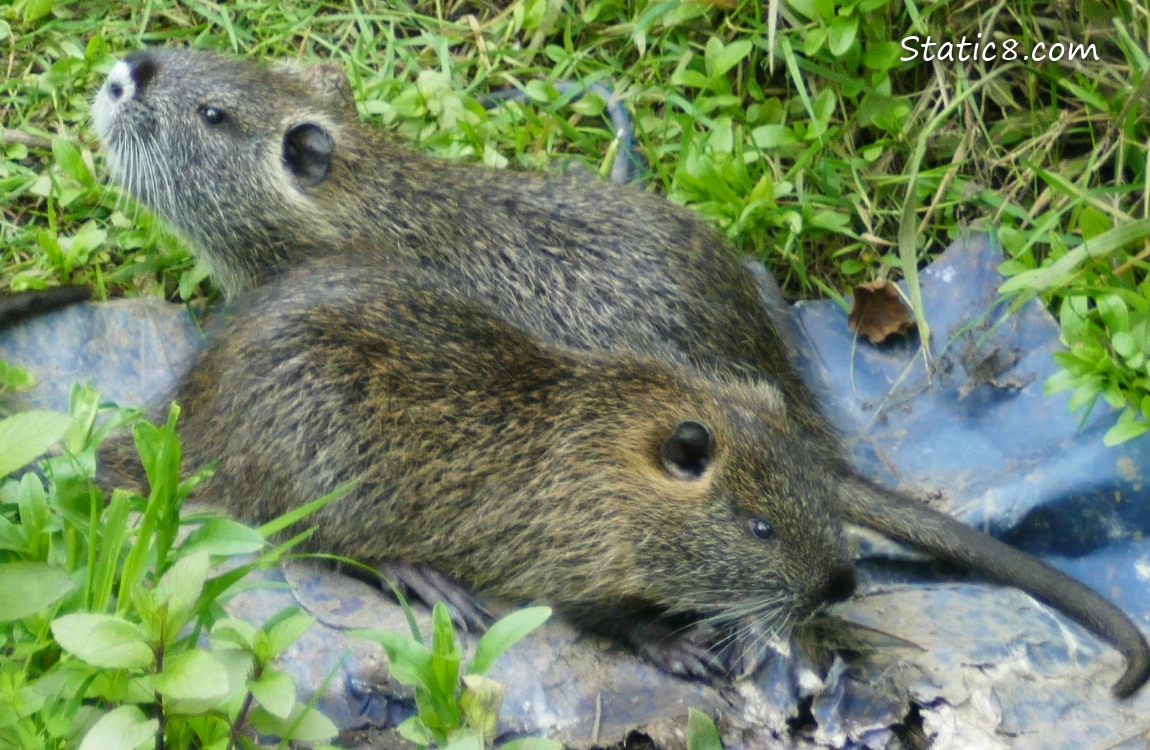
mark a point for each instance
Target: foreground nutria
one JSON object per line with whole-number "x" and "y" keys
{"x": 633, "y": 495}
{"x": 262, "y": 168}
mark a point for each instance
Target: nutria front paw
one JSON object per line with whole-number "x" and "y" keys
{"x": 429, "y": 586}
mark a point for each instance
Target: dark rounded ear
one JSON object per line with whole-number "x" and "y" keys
{"x": 687, "y": 453}
{"x": 308, "y": 149}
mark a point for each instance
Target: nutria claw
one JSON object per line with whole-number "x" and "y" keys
{"x": 429, "y": 586}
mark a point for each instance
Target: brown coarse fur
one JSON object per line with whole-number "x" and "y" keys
{"x": 266, "y": 168}
{"x": 522, "y": 469}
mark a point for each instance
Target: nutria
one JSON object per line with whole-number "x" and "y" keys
{"x": 261, "y": 168}
{"x": 519, "y": 469}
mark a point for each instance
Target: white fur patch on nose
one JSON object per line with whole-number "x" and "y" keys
{"x": 118, "y": 88}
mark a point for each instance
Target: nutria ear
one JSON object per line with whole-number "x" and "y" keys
{"x": 330, "y": 82}
{"x": 687, "y": 453}
{"x": 308, "y": 149}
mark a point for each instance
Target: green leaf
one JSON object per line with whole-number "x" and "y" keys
{"x": 180, "y": 588}
{"x": 807, "y": 7}
{"x": 125, "y": 727}
{"x": 303, "y": 725}
{"x": 286, "y": 629}
{"x": 15, "y": 378}
{"x": 470, "y": 741}
{"x": 773, "y": 136}
{"x": 292, "y": 517}
{"x": 719, "y": 59}
{"x": 832, "y": 221}
{"x": 103, "y": 640}
{"x": 443, "y": 633}
{"x": 275, "y": 691}
{"x": 235, "y": 631}
{"x": 701, "y": 732}
{"x": 1129, "y": 426}
{"x": 71, "y": 162}
{"x": 1092, "y": 222}
{"x": 882, "y": 55}
{"x": 841, "y": 34}
{"x": 193, "y": 675}
{"x": 480, "y": 702}
{"x": 504, "y": 634}
{"x": 223, "y": 536}
{"x": 409, "y": 661}
{"x": 1113, "y": 311}
{"x": 1060, "y": 271}
{"x": 24, "y": 437}
{"x": 446, "y": 658}
{"x": 29, "y": 587}
{"x": 690, "y": 79}
{"x": 414, "y": 730}
{"x": 532, "y": 743}
{"x": 34, "y": 10}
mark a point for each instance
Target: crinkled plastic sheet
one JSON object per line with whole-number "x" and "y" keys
{"x": 970, "y": 665}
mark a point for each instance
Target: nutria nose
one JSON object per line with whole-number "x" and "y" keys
{"x": 840, "y": 586}
{"x": 141, "y": 69}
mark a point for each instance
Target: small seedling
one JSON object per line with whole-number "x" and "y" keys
{"x": 455, "y": 708}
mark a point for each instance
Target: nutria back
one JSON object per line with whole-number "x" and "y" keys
{"x": 620, "y": 490}
{"x": 260, "y": 167}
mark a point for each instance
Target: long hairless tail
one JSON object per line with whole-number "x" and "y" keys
{"x": 910, "y": 522}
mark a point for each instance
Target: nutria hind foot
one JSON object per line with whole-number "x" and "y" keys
{"x": 429, "y": 586}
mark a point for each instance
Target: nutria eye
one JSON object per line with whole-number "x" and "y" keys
{"x": 212, "y": 115}
{"x": 762, "y": 529}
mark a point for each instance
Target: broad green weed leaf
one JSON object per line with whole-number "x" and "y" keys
{"x": 72, "y": 162}
{"x": 223, "y": 536}
{"x": 122, "y": 728}
{"x": 719, "y": 58}
{"x": 103, "y": 640}
{"x": 28, "y": 587}
{"x": 409, "y": 662}
{"x": 842, "y": 32}
{"x": 24, "y": 437}
{"x": 469, "y": 741}
{"x": 192, "y": 676}
{"x": 480, "y": 701}
{"x": 882, "y": 55}
{"x": 504, "y": 634}
{"x": 1130, "y": 425}
{"x": 413, "y": 730}
{"x": 701, "y": 732}
{"x": 532, "y": 743}
{"x": 235, "y": 631}
{"x": 275, "y": 691}
{"x": 180, "y": 587}
{"x": 285, "y": 629}
{"x": 303, "y": 725}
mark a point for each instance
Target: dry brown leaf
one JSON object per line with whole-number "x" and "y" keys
{"x": 878, "y": 312}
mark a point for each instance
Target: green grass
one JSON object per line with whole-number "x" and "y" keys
{"x": 793, "y": 126}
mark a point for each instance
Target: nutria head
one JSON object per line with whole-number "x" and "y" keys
{"x": 225, "y": 150}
